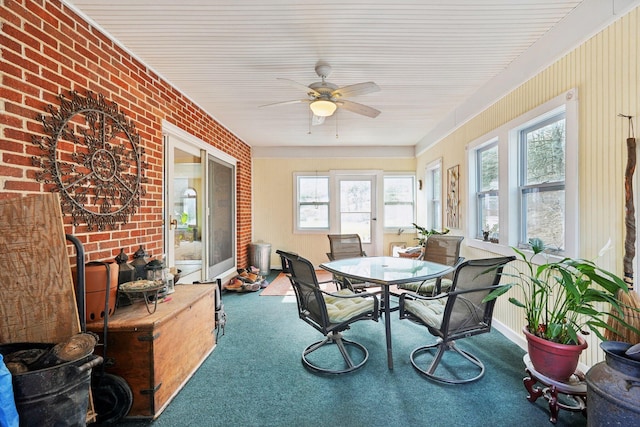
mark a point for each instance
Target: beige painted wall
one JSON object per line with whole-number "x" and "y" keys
{"x": 605, "y": 70}
{"x": 273, "y": 202}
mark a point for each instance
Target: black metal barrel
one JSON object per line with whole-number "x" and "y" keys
{"x": 58, "y": 395}
{"x": 613, "y": 388}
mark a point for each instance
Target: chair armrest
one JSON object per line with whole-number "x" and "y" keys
{"x": 411, "y": 295}
{"x": 469, "y": 291}
{"x": 446, "y": 294}
{"x": 337, "y": 283}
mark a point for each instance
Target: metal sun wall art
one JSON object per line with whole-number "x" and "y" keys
{"x": 92, "y": 153}
{"x": 453, "y": 197}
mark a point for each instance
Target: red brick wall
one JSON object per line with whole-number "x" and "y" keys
{"x": 47, "y": 50}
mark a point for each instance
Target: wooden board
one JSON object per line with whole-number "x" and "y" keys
{"x": 37, "y": 297}
{"x": 157, "y": 353}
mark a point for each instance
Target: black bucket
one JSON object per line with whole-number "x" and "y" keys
{"x": 55, "y": 396}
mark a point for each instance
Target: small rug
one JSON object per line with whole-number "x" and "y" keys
{"x": 281, "y": 286}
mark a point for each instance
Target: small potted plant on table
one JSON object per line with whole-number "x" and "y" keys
{"x": 562, "y": 301}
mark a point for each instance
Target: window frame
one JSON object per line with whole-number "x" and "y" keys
{"x": 333, "y": 178}
{"x": 297, "y": 204}
{"x": 433, "y": 213}
{"x": 482, "y": 194}
{"x": 508, "y": 166}
{"x": 390, "y": 175}
{"x": 524, "y": 188}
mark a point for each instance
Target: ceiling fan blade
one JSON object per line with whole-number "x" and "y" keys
{"x": 354, "y": 107}
{"x": 309, "y": 91}
{"x": 317, "y": 120}
{"x": 354, "y": 90}
{"x": 275, "y": 104}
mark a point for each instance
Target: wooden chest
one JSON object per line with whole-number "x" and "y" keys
{"x": 157, "y": 353}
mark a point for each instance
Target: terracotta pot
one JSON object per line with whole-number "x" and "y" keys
{"x": 554, "y": 360}
{"x": 96, "y": 289}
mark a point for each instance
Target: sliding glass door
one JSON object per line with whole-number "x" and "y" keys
{"x": 221, "y": 206}
{"x": 185, "y": 208}
{"x": 200, "y": 209}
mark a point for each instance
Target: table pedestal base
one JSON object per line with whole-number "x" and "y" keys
{"x": 570, "y": 395}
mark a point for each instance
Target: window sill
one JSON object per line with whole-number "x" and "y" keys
{"x": 505, "y": 250}
{"x": 496, "y": 248}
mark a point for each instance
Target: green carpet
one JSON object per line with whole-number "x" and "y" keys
{"x": 254, "y": 378}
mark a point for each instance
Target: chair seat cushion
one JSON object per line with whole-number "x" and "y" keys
{"x": 429, "y": 311}
{"x": 427, "y": 287}
{"x": 342, "y": 309}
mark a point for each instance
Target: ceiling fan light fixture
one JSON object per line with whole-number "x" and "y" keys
{"x": 323, "y": 108}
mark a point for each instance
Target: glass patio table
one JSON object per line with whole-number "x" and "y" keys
{"x": 386, "y": 271}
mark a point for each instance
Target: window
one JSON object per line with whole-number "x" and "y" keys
{"x": 541, "y": 186}
{"x": 189, "y": 212}
{"x": 312, "y": 205}
{"x": 433, "y": 187}
{"x": 341, "y": 200}
{"x": 399, "y": 201}
{"x": 523, "y": 178}
{"x": 355, "y": 211}
{"x": 487, "y": 192}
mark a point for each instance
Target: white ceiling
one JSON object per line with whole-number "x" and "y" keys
{"x": 437, "y": 62}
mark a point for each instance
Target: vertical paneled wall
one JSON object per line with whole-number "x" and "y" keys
{"x": 48, "y": 50}
{"x": 605, "y": 70}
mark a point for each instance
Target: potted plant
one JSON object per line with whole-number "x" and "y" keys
{"x": 424, "y": 233}
{"x": 562, "y": 301}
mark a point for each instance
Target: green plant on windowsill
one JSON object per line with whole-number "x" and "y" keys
{"x": 490, "y": 234}
{"x": 561, "y": 299}
{"x": 424, "y": 233}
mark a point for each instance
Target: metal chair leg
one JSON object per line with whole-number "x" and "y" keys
{"x": 441, "y": 348}
{"x": 342, "y": 344}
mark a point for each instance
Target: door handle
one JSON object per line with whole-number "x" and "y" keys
{"x": 173, "y": 223}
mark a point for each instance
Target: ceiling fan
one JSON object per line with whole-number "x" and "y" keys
{"x": 325, "y": 98}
